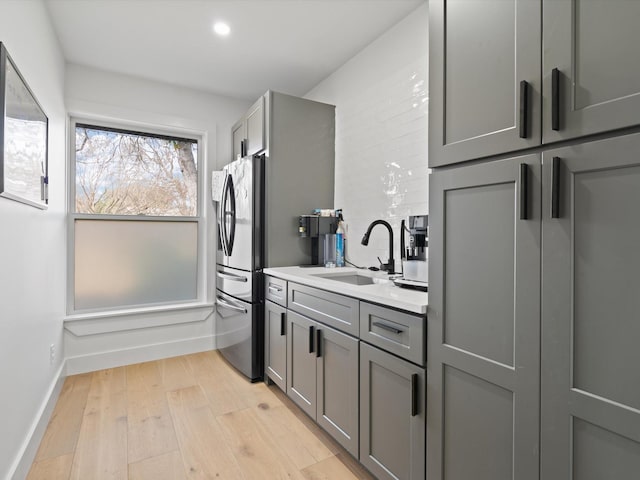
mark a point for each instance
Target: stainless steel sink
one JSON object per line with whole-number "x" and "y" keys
{"x": 352, "y": 278}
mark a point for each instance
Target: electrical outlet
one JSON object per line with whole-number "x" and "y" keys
{"x": 52, "y": 353}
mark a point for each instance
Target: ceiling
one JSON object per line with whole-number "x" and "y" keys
{"x": 285, "y": 45}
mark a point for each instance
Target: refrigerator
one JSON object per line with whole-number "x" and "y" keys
{"x": 239, "y": 263}
{"x": 262, "y": 198}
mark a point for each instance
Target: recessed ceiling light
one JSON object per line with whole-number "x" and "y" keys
{"x": 221, "y": 29}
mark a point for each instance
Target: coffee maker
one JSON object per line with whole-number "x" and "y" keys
{"x": 321, "y": 230}
{"x": 414, "y": 253}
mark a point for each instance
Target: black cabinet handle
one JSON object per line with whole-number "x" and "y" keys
{"x": 389, "y": 328}
{"x": 243, "y": 148}
{"x": 524, "y": 190}
{"x": 524, "y": 108}
{"x": 318, "y": 343}
{"x": 283, "y": 322}
{"x": 555, "y": 99}
{"x": 311, "y": 339}
{"x": 555, "y": 188}
{"x": 414, "y": 394}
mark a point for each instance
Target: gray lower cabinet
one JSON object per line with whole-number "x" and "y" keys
{"x": 392, "y": 415}
{"x": 275, "y": 317}
{"x": 483, "y": 342}
{"x": 337, "y": 386}
{"x": 301, "y": 362}
{"x": 590, "y": 425}
{"x": 322, "y": 377}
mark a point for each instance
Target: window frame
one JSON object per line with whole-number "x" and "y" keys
{"x": 73, "y": 216}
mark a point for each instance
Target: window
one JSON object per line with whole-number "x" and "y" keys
{"x": 135, "y": 218}
{"x": 120, "y": 172}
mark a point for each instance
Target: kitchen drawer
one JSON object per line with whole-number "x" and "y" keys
{"x": 335, "y": 310}
{"x": 275, "y": 289}
{"x": 399, "y": 333}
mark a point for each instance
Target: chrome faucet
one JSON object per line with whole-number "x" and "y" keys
{"x": 386, "y": 267}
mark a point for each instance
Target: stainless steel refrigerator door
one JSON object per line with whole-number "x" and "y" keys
{"x": 238, "y": 334}
{"x": 240, "y": 216}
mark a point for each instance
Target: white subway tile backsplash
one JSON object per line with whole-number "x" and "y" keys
{"x": 381, "y": 137}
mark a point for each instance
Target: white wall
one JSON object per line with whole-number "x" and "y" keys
{"x": 96, "y": 94}
{"x": 381, "y": 100}
{"x": 32, "y": 246}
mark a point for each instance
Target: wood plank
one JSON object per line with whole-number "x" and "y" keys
{"x": 61, "y": 434}
{"x": 223, "y": 397}
{"x": 176, "y": 373}
{"x": 204, "y": 451}
{"x": 305, "y": 422}
{"x": 254, "y": 451}
{"x": 356, "y": 467}
{"x": 203, "y": 363}
{"x": 150, "y": 429}
{"x": 101, "y": 452}
{"x": 57, "y": 468}
{"x": 290, "y": 436}
{"x": 329, "y": 469}
{"x": 163, "y": 467}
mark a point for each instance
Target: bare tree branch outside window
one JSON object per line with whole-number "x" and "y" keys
{"x": 131, "y": 173}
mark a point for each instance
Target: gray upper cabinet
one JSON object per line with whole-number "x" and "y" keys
{"x": 249, "y": 132}
{"x": 594, "y": 47}
{"x": 392, "y": 415}
{"x": 483, "y": 342}
{"x": 275, "y": 352}
{"x": 480, "y": 53}
{"x": 590, "y": 332}
{"x": 586, "y": 75}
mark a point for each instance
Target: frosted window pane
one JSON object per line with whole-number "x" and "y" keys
{"x": 127, "y": 263}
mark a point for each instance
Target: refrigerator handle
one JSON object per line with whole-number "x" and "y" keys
{"x": 231, "y": 194}
{"x": 226, "y": 304}
{"x": 221, "y": 219}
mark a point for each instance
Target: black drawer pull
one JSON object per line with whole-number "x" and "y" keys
{"x": 414, "y": 394}
{"x": 318, "y": 343}
{"x": 283, "y": 322}
{"x": 524, "y": 108}
{"x": 311, "y": 339}
{"x": 555, "y": 99}
{"x": 555, "y": 188}
{"x": 524, "y": 187}
{"x": 388, "y": 328}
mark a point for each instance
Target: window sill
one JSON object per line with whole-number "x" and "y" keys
{"x": 95, "y": 323}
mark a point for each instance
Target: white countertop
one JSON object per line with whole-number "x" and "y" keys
{"x": 384, "y": 293}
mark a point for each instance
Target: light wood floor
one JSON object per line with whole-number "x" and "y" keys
{"x": 185, "y": 417}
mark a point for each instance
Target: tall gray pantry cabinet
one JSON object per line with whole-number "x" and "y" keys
{"x": 533, "y": 302}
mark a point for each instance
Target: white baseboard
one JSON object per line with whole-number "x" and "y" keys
{"x": 22, "y": 464}
{"x": 145, "y": 353}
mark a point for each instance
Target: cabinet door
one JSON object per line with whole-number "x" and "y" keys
{"x": 337, "y": 373}
{"x": 275, "y": 351}
{"x": 480, "y": 52}
{"x": 255, "y": 128}
{"x": 594, "y": 46}
{"x": 238, "y": 135}
{"x": 483, "y": 322}
{"x": 590, "y": 425}
{"x": 301, "y": 362}
{"x": 392, "y": 415}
